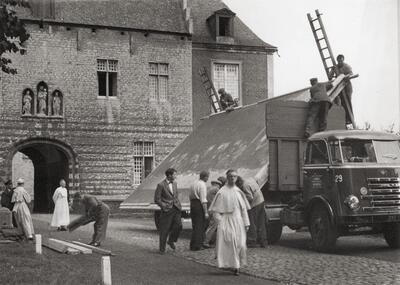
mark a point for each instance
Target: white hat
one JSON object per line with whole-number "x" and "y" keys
{"x": 20, "y": 181}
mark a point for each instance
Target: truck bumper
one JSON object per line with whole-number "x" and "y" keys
{"x": 370, "y": 219}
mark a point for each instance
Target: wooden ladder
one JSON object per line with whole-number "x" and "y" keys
{"x": 325, "y": 51}
{"x": 210, "y": 90}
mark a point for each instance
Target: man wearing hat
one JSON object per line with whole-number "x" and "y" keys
{"x": 211, "y": 230}
{"x": 318, "y": 107}
{"x": 225, "y": 99}
{"x": 7, "y": 195}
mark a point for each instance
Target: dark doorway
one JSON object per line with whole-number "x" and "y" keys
{"x": 50, "y": 165}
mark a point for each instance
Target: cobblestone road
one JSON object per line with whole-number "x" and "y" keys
{"x": 290, "y": 265}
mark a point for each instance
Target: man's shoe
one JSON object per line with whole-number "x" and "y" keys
{"x": 236, "y": 272}
{"x": 171, "y": 245}
{"x": 206, "y": 245}
{"x": 96, "y": 244}
{"x": 162, "y": 252}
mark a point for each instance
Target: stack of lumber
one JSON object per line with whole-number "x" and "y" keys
{"x": 74, "y": 247}
{"x": 65, "y": 247}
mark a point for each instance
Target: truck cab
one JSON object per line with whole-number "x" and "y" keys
{"x": 351, "y": 186}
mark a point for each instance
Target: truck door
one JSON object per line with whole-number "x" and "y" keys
{"x": 317, "y": 176}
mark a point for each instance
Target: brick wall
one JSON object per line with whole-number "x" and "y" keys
{"x": 104, "y": 150}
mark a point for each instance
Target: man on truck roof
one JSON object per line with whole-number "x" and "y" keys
{"x": 319, "y": 106}
{"x": 344, "y": 68}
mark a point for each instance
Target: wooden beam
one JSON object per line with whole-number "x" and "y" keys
{"x": 59, "y": 246}
{"x": 93, "y": 248}
{"x": 82, "y": 249}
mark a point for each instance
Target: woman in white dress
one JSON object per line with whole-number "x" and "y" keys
{"x": 21, "y": 199}
{"x": 61, "y": 209}
{"x": 229, "y": 208}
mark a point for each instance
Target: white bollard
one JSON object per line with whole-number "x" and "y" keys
{"x": 106, "y": 270}
{"x": 38, "y": 241}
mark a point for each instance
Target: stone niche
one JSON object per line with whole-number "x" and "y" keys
{"x": 41, "y": 103}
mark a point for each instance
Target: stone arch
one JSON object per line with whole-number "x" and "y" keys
{"x": 42, "y": 99}
{"x": 57, "y": 103}
{"x": 28, "y": 102}
{"x": 52, "y": 160}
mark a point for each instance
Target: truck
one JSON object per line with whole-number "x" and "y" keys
{"x": 335, "y": 183}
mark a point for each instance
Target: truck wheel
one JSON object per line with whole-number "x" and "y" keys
{"x": 157, "y": 219}
{"x": 391, "y": 233}
{"x": 323, "y": 232}
{"x": 274, "y": 231}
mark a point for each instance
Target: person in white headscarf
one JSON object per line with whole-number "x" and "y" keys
{"x": 229, "y": 209}
{"x": 21, "y": 199}
{"x": 61, "y": 208}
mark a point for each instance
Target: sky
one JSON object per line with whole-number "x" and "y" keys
{"x": 366, "y": 32}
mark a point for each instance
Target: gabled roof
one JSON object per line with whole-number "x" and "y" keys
{"x": 162, "y": 15}
{"x": 201, "y": 10}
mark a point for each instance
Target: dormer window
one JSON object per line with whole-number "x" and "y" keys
{"x": 224, "y": 26}
{"x": 221, "y": 26}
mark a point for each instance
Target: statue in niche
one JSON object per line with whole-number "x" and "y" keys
{"x": 27, "y": 105}
{"x": 42, "y": 96}
{"x": 56, "y": 104}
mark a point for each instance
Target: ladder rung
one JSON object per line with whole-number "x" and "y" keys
{"x": 319, "y": 39}
{"x": 313, "y": 20}
{"x": 327, "y": 57}
{"x": 324, "y": 48}
{"x": 316, "y": 30}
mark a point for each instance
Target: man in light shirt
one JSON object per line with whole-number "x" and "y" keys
{"x": 198, "y": 210}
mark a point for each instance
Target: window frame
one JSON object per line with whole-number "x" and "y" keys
{"x": 309, "y": 163}
{"x": 158, "y": 98}
{"x": 226, "y": 62}
{"x": 107, "y": 72}
{"x": 143, "y": 155}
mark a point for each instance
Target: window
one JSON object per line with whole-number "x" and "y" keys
{"x": 107, "y": 71}
{"x": 143, "y": 157}
{"x": 317, "y": 153}
{"x": 158, "y": 81}
{"x": 358, "y": 151}
{"x": 226, "y": 75}
{"x": 335, "y": 152}
{"x": 224, "y": 26}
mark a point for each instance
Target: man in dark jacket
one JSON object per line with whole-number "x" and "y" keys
{"x": 95, "y": 211}
{"x": 7, "y": 195}
{"x": 318, "y": 106}
{"x": 167, "y": 198}
{"x": 225, "y": 99}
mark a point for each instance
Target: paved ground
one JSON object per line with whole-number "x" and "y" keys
{"x": 358, "y": 260}
{"x": 137, "y": 260}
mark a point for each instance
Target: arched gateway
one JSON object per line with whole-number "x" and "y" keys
{"x": 52, "y": 160}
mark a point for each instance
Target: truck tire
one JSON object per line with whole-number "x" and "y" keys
{"x": 157, "y": 219}
{"x": 391, "y": 233}
{"x": 323, "y": 231}
{"x": 274, "y": 231}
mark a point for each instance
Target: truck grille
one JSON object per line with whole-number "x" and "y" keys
{"x": 384, "y": 194}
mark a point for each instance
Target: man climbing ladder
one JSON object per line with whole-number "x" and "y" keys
{"x": 332, "y": 68}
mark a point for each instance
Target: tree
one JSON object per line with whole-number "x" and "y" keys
{"x": 12, "y": 33}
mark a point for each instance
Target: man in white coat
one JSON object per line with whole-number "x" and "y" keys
{"x": 230, "y": 211}
{"x": 61, "y": 207}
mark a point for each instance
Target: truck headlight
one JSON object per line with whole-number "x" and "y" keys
{"x": 352, "y": 202}
{"x": 363, "y": 191}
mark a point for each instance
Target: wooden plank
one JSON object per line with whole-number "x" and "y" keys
{"x": 54, "y": 246}
{"x": 82, "y": 249}
{"x": 57, "y": 244}
{"x": 93, "y": 248}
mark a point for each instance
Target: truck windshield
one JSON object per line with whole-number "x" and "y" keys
{"x": 357, "y": 151}
{"x": 387, "y": 151}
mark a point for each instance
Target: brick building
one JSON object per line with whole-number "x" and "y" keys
{"x": 106, "y": 88}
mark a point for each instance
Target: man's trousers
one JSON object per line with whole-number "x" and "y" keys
{"x": 170, "y": 227}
